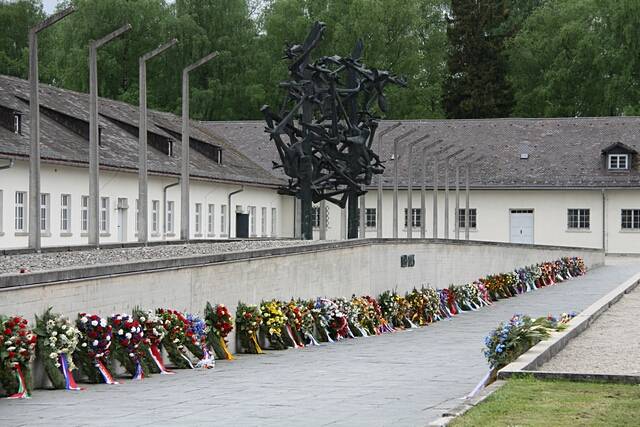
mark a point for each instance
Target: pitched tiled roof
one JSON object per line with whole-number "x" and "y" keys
{"x": 565, "y": 152}
{"x": 119, "y": 146}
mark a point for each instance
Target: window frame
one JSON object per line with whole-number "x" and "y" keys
{"x": 169, "y": 217}
{"x": 84, "y": 214}
{"x": 416, "y": 217}
{"x": 45, "y": 213}
{"x": 104, "y": 220}
{"x": 263, "y": 221}
{"x": 371, "y": 221}
{"x": 579, "y": 219}
{"x": 633, "y": 219}
{"x": 65, "y": 213}
{"x": 274, "y": 223}
{"x": 461, "y": 220}
{"x": 618, "y": 157}
{"x": 155, "y": 216}
{"x": 211, "y": 219}
{"x": 252, "y": 221}
{"x": 20, "y": 223}
{"x": 198, "y": 219}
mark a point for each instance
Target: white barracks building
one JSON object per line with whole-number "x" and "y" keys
{"x": 569, "y": 182}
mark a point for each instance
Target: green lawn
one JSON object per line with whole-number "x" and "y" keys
{"x": 530, "y": 402}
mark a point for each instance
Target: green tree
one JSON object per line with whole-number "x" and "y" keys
{"x": 476, "y": 85}
{"x": 578, "y": 58}
{"x": 16, "y": 17}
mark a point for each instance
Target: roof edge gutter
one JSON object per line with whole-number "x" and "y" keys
{"x": 8, "y": 165}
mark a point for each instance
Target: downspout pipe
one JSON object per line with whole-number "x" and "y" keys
{"x": 8, "y": 165}
{"x": 164, "y": 208}
{"x": 233, "y": 193}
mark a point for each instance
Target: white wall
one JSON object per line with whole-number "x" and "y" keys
{"x": 57, "y": 180}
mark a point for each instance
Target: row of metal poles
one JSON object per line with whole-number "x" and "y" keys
{"x": 440, "y": 154}
{"x": 94, "y": 154}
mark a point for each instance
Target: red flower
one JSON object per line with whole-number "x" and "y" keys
{"x": 11, "y": 355}
{"x": 7, "y": 331}
{"x": 117, "y": 322}
{"x": 247, "y": 315}
{"x": 10, "y": 324}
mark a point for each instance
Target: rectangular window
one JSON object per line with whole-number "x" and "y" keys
{"x": 84, "y": 214}
{"x": 44, "y": 212}
{"x": 104, "y": 214}
{"x": 416, "y": 217}
{"x": 21, "y": 208}
{"x": 65, "y": 213}
{"x": 274, "y": 223}
{"x": 263, "y": 222}
{"x": 618, "y": 161}
{"x": 315, "y": 216}
{"x": 223, "y": 219}
{"x": 472, "y": 218}
{"x": 370, "y": 217}
{"x": 198, "y": 218}
{"x": 155, "y": 216}
{"x": 252, "y": 221}
{"x": 169, "y": 218}
{"x": 631, "y": 219}
{"x": 578, "y": 219}
{"x": 211, "y": 212}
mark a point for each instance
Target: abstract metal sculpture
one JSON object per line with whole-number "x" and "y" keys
{"x": 325, "y": 129}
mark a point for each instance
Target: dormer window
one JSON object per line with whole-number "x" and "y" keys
{"x": 99, "y": 136}
{"x": 17, "y": 123}
{"x": 618, "y": 161}
{"x": 170, "y": 148}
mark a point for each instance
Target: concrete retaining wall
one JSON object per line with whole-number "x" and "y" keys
{"x": 330, "y": 269}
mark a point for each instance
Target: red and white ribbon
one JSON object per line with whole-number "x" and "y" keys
{"x": 22, "y": 393}
{"x": 156, "y": 356}
{"x": 292, "y": 338}
{"x": 106, "y": 375}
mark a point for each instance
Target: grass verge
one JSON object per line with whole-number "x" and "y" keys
{"x": 531, "y": 402}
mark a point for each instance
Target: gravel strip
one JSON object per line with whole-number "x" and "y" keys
{"x": 56, "y": 260}
{"x": 611, "y": 345}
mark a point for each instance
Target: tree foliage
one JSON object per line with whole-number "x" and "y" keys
{"x": 16, "y": 17}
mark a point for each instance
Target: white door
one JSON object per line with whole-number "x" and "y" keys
{"x": 522, "y": 226}
{"x": 122, "y": 225}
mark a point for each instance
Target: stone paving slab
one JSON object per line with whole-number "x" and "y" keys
{"x": 404, "y": 379}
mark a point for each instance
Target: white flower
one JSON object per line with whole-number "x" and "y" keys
{"x": 84, "y": 319}
{"x": 131, "y": 355}
{"x": 103, "y": 323}
{"x": 50, "y": 322}
{"x": 108, "y": 337}
{"x": 53, "y": 339}
{"x": 84, "y": 344}
{"x": 94, "y": 343}
{"x": 142, "y": 319}
{"x": 175, "y": 341}
{"x": 54, "y": 333}
{"x": 70, "y": 332}
{"x": 64, "y": 327}
{"x": 141, "y": 334}
{"x": 53, "y": 355}
{"x": 128, "y": 335}
{"x": 119, "y": 317}
{"x": 120, "y": 332}
{"x": 94, "y": 323}
{"x": 11, "y": 348}
{"x": 57, "y": 365}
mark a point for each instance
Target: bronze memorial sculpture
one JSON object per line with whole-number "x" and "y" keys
{"x": 326, "y": 126}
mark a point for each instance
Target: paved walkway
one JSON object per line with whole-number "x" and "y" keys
{"x": 403, "y": 379}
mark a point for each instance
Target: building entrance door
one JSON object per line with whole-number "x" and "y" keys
{"x": 521, "y": 221}
{"x": 122, "y": 225}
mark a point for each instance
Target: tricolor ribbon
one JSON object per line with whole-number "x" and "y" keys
{"x": 225, "y": 349}
{"x": 69, "y": 381}
{"x": 139, "y": 374}
{"x": 22, "y": 393}
{"x": 291, "y": 337}
{"x": 106, "y": 375}
{"x": 311, "y": 338}
{"x": 156, "y": 356}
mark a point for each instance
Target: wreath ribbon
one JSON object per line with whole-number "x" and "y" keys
{"x": 106, "y": 375}
{"x": 156, "y": 356}
{"x": 226, "y": 351}
{"x": 22, "y": 393}
{"x": 69, "y": 381}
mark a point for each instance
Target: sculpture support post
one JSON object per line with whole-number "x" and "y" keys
{"x": 410, "y": 187}
{"x": 142, "y": 142}
{"x": 35, "y": 232}
{"x": 380, "y": 192}
{"x": 186, "y": 128}
{"x": 363, "y": 218}
{"x": 423, "y": 195}
{"x": 94, "y": 135}
{"x": 323, "y": 220}
{"x": 396, "y": 159}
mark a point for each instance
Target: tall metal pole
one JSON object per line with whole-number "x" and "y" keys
{"x": 186, "y": 128}
{"x": 457, "y": 213}
{"x": 410, "y": 186}
{"x": 34, "y": 138}
{"x": 380, "y": 192}
{"x": 323, "y": 219}
{"x": 435, "y": 198}
{"x": 362, "y": 212}
{"x": 395, "y": 179}
{"x": 423, "y": 194}
{"x": 142, "y": 142}
{"x": 94, "y": 135}
{"x": 446, "y": 199}
{"x": 466, "y": 209}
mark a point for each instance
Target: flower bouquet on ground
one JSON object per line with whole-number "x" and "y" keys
{"x": 332, "y": 323}
{"x": 219, "y": 325}
{"x": 197, "y": 345}
{"x": 17, "y": 345}
{"x": 293, "y": 327}
{"x": 368, "y": 316}
{"x": 393, "y": 309}
{"x": 93, "y": 353}
{"x": 154, "y": 332}
{"x": 248, "y": 321}
{"x": 416, "y": 301}
{"x": 382, "y": 326}
{"x": 58, "y": 339}
{"x": 308, "y": 326}
{"x": 351, "y": 312}
{"x": 273, "y": 323}
{"x": 448, "y": 301}
{"x": 128, "y": 337}
{"x": 431, "y": 304}
{"x": 174, "y": 340}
